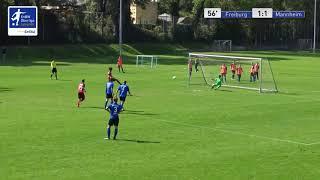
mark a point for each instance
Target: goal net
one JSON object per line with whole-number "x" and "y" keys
{"x": 305, "y": 44}
{"x": 222, "y": 45}
{"x": 246, "y": 73}
{"x": 147, "y": 60}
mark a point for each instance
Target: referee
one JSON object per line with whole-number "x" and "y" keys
{"x": 54, "y": 69}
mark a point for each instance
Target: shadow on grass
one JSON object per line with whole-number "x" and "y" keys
{"x": 139, "y": 113}
{"x": 160, "y": 48}
{"x": 288, "y": 93}
{"x": 199, "y": 84}
{"x": 224, "y": 90}
{"x": 62, "y": 54}
{"x": 31, "y": 62}
{"x": 5, "y": 89}
{"x": 139, "y": 141}
{"x": 135, "y": 111}
{"x": 66, "y": 80}
{"x": 93, "y": 107}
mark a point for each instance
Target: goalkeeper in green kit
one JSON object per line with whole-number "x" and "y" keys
{"x": 217, "y": 83}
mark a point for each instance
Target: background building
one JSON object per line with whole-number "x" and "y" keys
{"x": 147, "y": 15}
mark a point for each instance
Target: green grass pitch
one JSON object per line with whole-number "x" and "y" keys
{"x": 169, "y": 131}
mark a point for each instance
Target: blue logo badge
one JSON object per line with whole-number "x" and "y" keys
{"x": 22, "y": 21}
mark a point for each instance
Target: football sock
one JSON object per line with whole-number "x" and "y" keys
{"x": 115, "y": 133}
{"x": 108, "y": 132}
{"x": 106, "y": 104}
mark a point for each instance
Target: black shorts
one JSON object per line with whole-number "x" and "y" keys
{"x": 114, "y": 121}
{"x": 122, "y": 98}
{"x": 54, "y": 70}
{"x": 81, "y": 96}
{"x": 233, "y": 72}
{"x": 108, "y": 96}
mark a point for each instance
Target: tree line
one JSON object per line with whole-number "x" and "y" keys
{"x": 98, "y": 21}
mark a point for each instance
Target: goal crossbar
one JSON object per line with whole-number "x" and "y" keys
{"x": 150, "y": 56}
{"x": 221, "y": 56}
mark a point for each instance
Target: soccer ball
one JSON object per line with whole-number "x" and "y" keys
{"x": 174, "y": 77}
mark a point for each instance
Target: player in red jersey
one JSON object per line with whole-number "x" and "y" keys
{"x": 110, "y": 77}
{"x": 239, "y": 72}
{"x": 120, "y": 63}
{"x": 81, "y": 91}
{"x": 233, "y": 69}
{"x": 252, "y": 74}
{"x": 190, "y": 67}
{"x": 256, "y": 70}
{"x": 223, "y": 72}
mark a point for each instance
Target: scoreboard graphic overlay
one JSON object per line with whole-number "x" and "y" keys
{"x": 255, "y": 13}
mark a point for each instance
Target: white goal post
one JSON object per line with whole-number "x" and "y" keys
{"x": 151, "y": 60}
{"x": 209, "y": 68}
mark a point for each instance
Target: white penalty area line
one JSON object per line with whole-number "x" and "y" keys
{"x": 243, "y": 134}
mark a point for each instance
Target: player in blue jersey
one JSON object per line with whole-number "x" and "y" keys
{"x": 109, "y": 93}
{"x": 114, "y": 110}
{"x": 123, "y": 90}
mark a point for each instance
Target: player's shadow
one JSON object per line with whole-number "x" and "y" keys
{"x": 93, "y": 107}
{"x": 288, "y": 93}
{"x": 224, "y": 90}
{"x": 139, "y": 113}
{"x": 139, "y": 141}
{"x": 4, "y": 89}
{"x": 68, "y": 80}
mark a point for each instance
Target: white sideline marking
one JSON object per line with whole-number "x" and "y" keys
{"x": 244, "y": 134}
{"x": 315, "y": 143}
